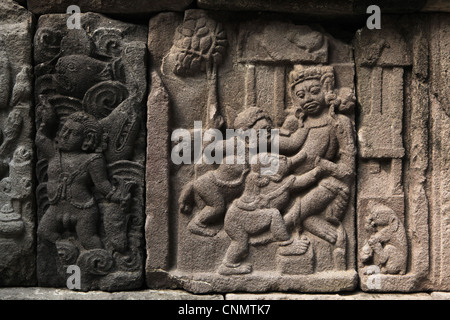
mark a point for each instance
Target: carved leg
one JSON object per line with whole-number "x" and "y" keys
{"x": 49, "y": 226}
{"x": 315, "y": 201}
{"x": 291, "y": 218}
{"x": 236, "y": 252}
{"x": 339, "y": 252}
{"x": 265, "y": 219}
{"x": 239, "y": 246}
{"x": 277, "y": 226}
{"x": 214, "y": 210}
{"x": 86, "y": 229}
{"x": 199, "y": 224}
{"x": 321, "y": 228}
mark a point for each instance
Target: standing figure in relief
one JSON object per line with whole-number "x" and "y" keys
{"x": 75, "y": 166}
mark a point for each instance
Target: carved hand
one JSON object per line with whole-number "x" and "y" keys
{"x": 374, "y": 242}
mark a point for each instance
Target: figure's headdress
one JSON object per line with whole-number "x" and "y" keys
{"x": 300, "y": 73}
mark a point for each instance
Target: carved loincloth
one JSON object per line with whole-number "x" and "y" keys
{"x": 64, "y": 191}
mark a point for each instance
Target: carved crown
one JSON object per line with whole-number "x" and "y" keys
{"x": 301, "y": 73}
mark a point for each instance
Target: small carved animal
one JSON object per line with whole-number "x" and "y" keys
{"x": 387, "y": 245}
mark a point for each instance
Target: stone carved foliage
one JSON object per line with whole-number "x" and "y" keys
{"x": 89, "y": 121}
{"x": 200, "y": 45}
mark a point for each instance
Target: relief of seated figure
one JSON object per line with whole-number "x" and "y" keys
{"x": 327, "y": 139}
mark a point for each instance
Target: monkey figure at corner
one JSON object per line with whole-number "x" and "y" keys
{"x": 76, "y": 165}
{"x": 387, "y": 246}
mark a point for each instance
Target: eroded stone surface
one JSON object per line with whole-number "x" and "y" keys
{"x": 403, "y": 167}
{"x": 65, "y": 294}
{"x": 90, "y": 88}
{"x": 330, "y": 8}
{"x": 17, "y": 212}
{"x": 226, "y": 227}
{"x": 108, "y": 7}
{"x": 354, "y": 296}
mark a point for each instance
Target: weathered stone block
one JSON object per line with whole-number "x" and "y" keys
{"x": 90, "y": 88}
{"x": 329, "y": 8}
{"x": 133, "y": 7}
{"x": 227, "y": 227}
{"x": 402, "y": 202}
{"x": 17, "y": 212}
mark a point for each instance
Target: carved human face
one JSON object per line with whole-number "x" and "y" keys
{"x": 310, "y": 96}
{"x": 71, "y": 136}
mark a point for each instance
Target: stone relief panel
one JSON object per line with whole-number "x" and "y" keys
{"x": 226, "y": 226}
{"x": 17, "y": 218}
{"x": 402, "y": 170}
{"x": 90, "y": 87}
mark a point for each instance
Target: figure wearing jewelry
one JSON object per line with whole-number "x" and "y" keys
{"x": 316, "y": 127}
{"x": 76, "y": 166}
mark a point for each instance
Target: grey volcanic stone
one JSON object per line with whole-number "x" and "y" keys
{"x": 403, "y": 155}
{"x": 65, "y": 294}
{"x": 219, "y": 228}
{"x": 17, "y": 212}
{"x": 90, "y": 95}
{"x": 352, "y": 296}
{"x": 329, "y": 8}
{"x": 109, "y": 7}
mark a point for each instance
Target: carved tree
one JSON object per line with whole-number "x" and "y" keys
{"x": 200, "y": 45}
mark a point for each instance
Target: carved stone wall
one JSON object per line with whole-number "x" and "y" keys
{"x": 140, "y": 147}
{"x": 90, "y": 88}
{"x": 17, "y": 211}
{"x": 241, "y": 74}
{"x": 401, "y": 198}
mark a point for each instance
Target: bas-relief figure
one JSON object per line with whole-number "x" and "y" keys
{"x": 295, "y": 223}
{"x": 90, "y": 85}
